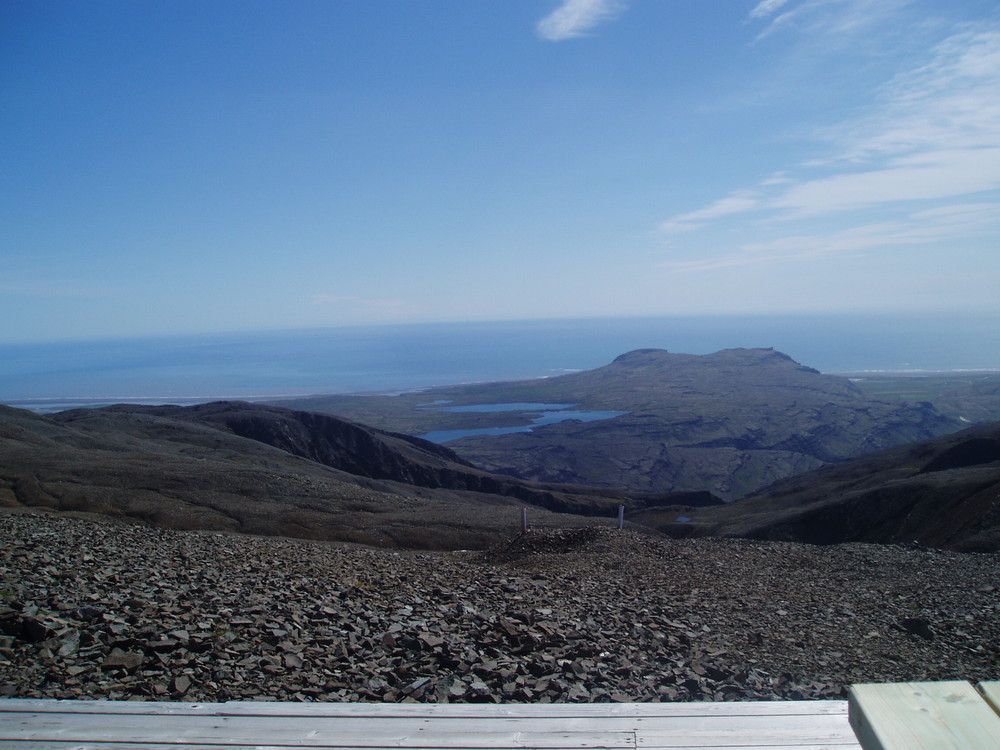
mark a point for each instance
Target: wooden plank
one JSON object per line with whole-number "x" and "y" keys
{"x": 437, "y": 710}
{"x": 759, "y": 743}
{"x": 478, "y": 741}
{"x": 128, "y": 725}
{"x": 10, "y": 721}
{"x": 74, "y": 745}
{"x": 33, "y": 745}
{"x": 698, "y": 731}
{"x": 261, "y": 725}
{"x": 307, "y": 732}
{"x": 797, "y": 746}
{"x": 991, "y": 692}
{"x": 742, "y": 731}
{"x": 918, "y": 716}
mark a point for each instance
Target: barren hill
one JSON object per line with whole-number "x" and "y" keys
{"x": 729, "y": 423}
{"x": 943, "y": 493}
{"x": 257, "y": 469}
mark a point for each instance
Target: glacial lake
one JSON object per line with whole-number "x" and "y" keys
{"x": 546, "y": 414}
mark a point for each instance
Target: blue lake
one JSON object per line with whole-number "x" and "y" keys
{"x": 488, "y": 408}
{"x": 546, "y": 414}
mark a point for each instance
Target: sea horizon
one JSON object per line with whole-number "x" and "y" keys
{"x": 271, "y": 365}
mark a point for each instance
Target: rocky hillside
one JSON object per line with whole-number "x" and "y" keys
{"x": 265, "y": 470}
{"x": 233, "y": 466}
{"x": 977, "y": 401}
{"x": 941, "y": 493}
{"x": 729, "y": 423}
{"x": 113, "y": 611}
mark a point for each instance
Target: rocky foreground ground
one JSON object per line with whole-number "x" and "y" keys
{"x": 96, "y": 609}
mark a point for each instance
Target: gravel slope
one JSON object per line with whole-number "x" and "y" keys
{"x": 96, "y": 609}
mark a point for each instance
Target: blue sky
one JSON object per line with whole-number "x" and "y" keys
{"x": 176, "y": 167}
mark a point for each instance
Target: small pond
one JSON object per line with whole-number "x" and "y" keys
{"x": 545, "y": 414}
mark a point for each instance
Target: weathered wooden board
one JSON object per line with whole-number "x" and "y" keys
{"x": 922, "y": 716}
{"x": 991, "y": 691}
{"x": 436, "y": 710}
{"x": 380, "y": 729}
{"x": 300, "y": 732}
{"x": 31, "y": 745}
{"x": 104, "y": 725}
{"x": 742, "y": 746}
{"x": 736, "y": 731}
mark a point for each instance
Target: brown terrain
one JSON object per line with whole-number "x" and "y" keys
{"x": 147, "y": 553}
{"x": 942, "y": 493}
{"x": 94, "y": 608}
{"x": 233, "y": 466}
{"x": 729, "y": 423}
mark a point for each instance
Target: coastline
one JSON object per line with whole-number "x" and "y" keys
{"x": 52, "y": 404}
{"x": 392, "y": 359}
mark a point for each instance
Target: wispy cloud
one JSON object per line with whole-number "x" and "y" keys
{"x": 935, "y": 134}
{"x": 917, "y": 228}
{"x": 766, "y": 8}
{"x": 931, "y": 138}
{"x": 949, "y": 102}
{"x": 574, "y": 18}
{"x": 825, "y": 17}
{"x": 731, "y": 204}
{"x": 934, "y": 175}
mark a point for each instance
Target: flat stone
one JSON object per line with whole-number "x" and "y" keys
{"x": 128, "y": 660}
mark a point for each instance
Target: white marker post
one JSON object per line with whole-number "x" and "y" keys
{"x": 621, "y": 517}
{"x": 524, "y": 520}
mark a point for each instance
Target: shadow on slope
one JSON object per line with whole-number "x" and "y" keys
{"x": 730, "y": 423}
{"x": 266, "y": 470}
{"x": 943, "y": 493}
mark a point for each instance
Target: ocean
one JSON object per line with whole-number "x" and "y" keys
{"x": 189, "y": 369}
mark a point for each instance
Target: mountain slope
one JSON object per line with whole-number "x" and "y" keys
{"x": 186, "y": 476}
{"x": 943, "y": 493}
{"x": 258, "y": 469}
{"x": 730, "y": 422}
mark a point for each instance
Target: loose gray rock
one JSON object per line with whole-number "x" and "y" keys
{"x": 566, "y": 615}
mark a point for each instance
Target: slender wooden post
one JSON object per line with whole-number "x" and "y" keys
{"x": 524, "y": 520}
{"x": 621, "y": 517}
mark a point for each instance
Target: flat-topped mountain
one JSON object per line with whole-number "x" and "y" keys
{"x": 729, "y": 423}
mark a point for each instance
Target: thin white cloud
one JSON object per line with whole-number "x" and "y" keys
{"x": 732, "y": 204}
{"x": 823, "y": 17}
{"x": 574, "y": 18}
{"x": 766, "y": 8}
{"x": 950, "y": 102}
{"x": 917, "y": 228}
{"x": 919, "y": 177}
{"x": 935, "y": 134}
{"x": 929, "y": 143}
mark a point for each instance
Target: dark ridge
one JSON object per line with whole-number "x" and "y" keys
{"x": 233, "y": 466}
{"x": 729, "y": 423}
{"x": 942, "y": 493}
{"x": 973, "y": 452}
{"x": 636, "y": 354}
